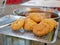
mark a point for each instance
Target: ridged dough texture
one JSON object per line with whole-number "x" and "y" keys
{"x": 52, "y": 23}
{"x": 16, "y": 25}
{"x": 44, "y": 27}
{"x": 29, "y": 24}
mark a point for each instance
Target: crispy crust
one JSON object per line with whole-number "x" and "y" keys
{"x": 44, "y": 27}
{"x": 37, "y": 17}
{"x": 17, "y": 24}
{"x": 29, "y": 24}
{"x": 52, "y": 23}
{"x": 41, "y": 29}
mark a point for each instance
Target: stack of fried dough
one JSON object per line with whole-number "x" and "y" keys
{"x": 38, "y": 23}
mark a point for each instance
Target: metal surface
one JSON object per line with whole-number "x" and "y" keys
{"x": 23, "y": 10}
{"x": 9, "y": 40}
{"x": 26, "y": 35}
{"x": 41, "y": 3}
{"x": 6, "y": 20}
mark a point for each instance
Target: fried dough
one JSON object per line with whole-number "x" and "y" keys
{"x": 17, "y": 24}
{"x": 44, "y": 27}
{"x": 52, "y": 23}
{"x": 29, "y": 24}
{"x": 37, "y": 17}
{"x": 41, "y": 29}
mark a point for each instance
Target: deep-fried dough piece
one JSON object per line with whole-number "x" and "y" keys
{"x": 44, "y": 27}
{"x": 52, "y": 23}
{"x": 37, "y": 17}
{"x": 17, "y": 24}
{"x": 41, "y": 29}
{"x": 29, "y": 24}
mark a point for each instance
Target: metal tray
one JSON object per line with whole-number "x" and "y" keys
{"x": 6, "y": 20}
{"x": 24, "y": 10}
{"x": 27, "y": 35}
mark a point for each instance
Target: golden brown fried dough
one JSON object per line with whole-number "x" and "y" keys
{"x": 17, "y": 24}
{"x": 52, "y": 23}
{"x": 41, "y": 29}
{"x": 29, "y": 24}
{"x": 37, "y": 17}
{"x": 44, "y": 27}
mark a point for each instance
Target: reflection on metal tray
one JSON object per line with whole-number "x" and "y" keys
{"x": 50, "y": 38}
{"x": 6, "y": 20}
{"x": 24, "y": 11}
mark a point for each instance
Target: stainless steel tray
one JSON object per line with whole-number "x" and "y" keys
{"x": 26, "y": 35}
{"x": 22, "y": 11}
{"x": 6, "y": 20}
